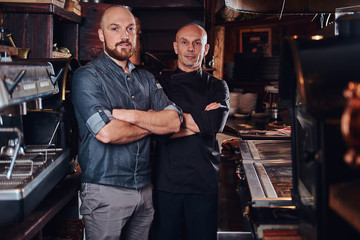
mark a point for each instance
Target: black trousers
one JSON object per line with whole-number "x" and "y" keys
{"x": 184, "y": 216}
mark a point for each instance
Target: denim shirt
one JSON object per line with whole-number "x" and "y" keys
{"x": 97, "y": 88}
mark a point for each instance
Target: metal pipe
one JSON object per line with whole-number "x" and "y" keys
{"x": 17, "y": 147}
{"x": 38, "y": 103}
{"x": 53, "y": 135}
{"x": 23, "y": 108}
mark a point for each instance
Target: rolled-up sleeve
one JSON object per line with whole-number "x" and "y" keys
{"x": 214, "y": 121}
{"x": 91, "y": 107}
{"x": 98, "y": 120}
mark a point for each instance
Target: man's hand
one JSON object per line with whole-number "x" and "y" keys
{"x": 189, "y": 126}
{"x": 212, "y": 106}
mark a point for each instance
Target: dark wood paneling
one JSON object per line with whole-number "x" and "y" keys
{"x": 40, "y": 8}
{"x": 15, "y": 23}
{"x": 158, "y": 29}
{"x": 39, "y": 32}
{"x": 89, "y": 44}
{"x": 39, "y": 26}
{"x": 31, "y": 31}
{"x": 231, "y": 44}
{"x": 218, "y": 47}
{"x": 209, "y": 22}
{"x": 68, "y": 37}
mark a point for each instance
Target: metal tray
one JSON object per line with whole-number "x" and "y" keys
{"x": 269, "y": 182}
{"x": 265, "y": 149}
{"x": 268, "y": 170}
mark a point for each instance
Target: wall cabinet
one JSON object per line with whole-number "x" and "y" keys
{"x": 38, "y": 26}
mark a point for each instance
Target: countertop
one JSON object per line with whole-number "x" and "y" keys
{"x": 257, "y": 128}
{"x": 234, "y": 194}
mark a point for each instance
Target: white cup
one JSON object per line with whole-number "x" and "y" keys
{"x": 247, "y": 102}
{"x": 234, "y": 103}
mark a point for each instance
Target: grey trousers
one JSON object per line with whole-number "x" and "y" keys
{"x": 111, "y": 212}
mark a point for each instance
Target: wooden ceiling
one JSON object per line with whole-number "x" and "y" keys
{"x": 159, "y": 3}
{"x": 289, "y": 6}
{"x": 255, "y": 6}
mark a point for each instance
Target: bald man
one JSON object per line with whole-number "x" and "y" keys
{"x": 118, "y": 106}
{"x": 187, "y": 163}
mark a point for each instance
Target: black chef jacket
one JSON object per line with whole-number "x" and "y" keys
{"x": 190, "y": 164}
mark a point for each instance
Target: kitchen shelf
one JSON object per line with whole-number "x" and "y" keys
{"x": 40, "y": 8}
{"x": 38, "y": 26}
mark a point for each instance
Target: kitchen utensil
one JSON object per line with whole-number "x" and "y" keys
{"x": 22, "y": 52}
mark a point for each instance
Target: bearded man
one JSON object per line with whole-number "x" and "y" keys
{"x": 118, "y": 106}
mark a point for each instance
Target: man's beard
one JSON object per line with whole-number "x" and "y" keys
{"x": 123, "y": 54}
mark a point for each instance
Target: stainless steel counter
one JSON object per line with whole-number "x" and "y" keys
{"x": 268, "y": 170}
{"x": 264, "y": 167}
{"x": 30, "y": 183}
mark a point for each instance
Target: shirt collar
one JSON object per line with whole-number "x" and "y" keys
{"x": 179, "y": 72}
{"x": 111, "y": 62}
{"x": 131, "y": 66}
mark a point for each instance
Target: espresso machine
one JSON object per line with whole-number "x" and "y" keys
{"x": 38, "y": 133}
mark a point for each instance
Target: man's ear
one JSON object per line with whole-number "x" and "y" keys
{"x": 175, "y": 47}
{"x": 207, "y": 47}
{"x": 101, "y": 35}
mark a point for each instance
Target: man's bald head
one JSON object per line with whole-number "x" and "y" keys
{"x": 191, "y": 47}
{"x": 118, "y": 33}
{"x": 196, "y": 29}
{"x": 110, "y": 10}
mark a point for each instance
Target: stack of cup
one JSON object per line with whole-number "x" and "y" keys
{"x": 234, "y": 103}
{"x": 247, "y": 102}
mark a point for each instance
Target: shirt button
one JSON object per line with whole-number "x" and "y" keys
{"x": 132, "y": 97}
{"x": 128, "y": 78}
{"x": 135, "y": 173}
